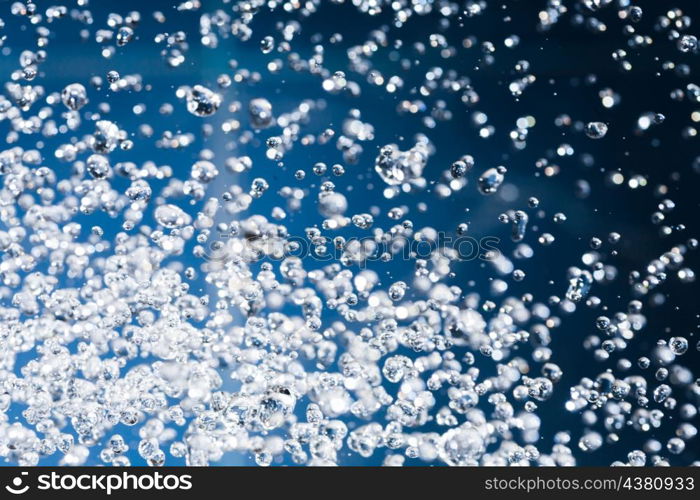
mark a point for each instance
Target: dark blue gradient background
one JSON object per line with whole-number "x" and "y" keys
{"x": 561, "y": 59}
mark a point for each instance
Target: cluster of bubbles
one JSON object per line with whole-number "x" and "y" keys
{"x": 277, "y": 357}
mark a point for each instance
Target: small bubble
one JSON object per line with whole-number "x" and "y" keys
{"x": 202, "y": 101}
{"x": 596, "y": 130}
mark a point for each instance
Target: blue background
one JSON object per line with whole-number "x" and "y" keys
{"x": 564, "y": 56}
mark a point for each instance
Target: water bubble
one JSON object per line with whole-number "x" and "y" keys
{"x": 687, "y": 43}
{"x": 579, "y": 285}
{"x": 461, "y": 446}
{"x": 267, "y": 44}
{"x": 275, "y": 406}
{"x": 106, "y": 137}
{"x": 491, "y": 180}
{"x": 590, "y": 442}
{"x": 139, "y": 190}
{"x": 396, "y": 167}
{"x": 462, "y": 166}
{"x": 260, "y": 111}
{"x": 679, "y": 345}
{"x": 331, "y": 204}
{"x": 596, "y": 130}
{"x": 397, "y": 290}
{"x": 98, "y": 166}
{"x": 595, "y": 5}
{"x": 520, "y": 220}
{"x": 124, "y": 35}
{"x": 202, "y": 101}
{"x": 204, "y": 171}
{"x": 396, "y": 367}
{"x": 171, "y": 216}
{"x": 675, "y": 446}
{"x": 74, "y": 96}
{"x": 363, "y": 221}
{"x": 636, "y": 13}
